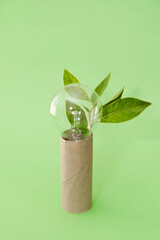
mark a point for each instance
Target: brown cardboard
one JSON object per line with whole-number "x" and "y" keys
{"x": 76, "y": 175}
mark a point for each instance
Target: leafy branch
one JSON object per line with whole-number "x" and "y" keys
{"x": 116, "y": 110}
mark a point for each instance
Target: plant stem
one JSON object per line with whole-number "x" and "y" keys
{"x": 89, "y": 118}
{"x": 91, "y": 125}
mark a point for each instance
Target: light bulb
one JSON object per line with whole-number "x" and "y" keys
{"x": 76, "y": 110}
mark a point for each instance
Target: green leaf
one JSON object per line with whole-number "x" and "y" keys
{"x": 102, "y": 86}
{"x": 82, "y": 123}
{"x": 123, "y": 110}
{"x": 77, "y": 92}
{"x": 94, "y": 98}
{"x": 68, "y": 78}
{"x": 116, "y": 97}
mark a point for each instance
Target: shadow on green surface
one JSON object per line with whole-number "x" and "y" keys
{"x": 105, "y": 170}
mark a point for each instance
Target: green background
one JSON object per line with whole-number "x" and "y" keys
{"x": 38, "y": 39}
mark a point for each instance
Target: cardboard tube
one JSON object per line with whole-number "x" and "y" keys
{"x": 76, "y": 175}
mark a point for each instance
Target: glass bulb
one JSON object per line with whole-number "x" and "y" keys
{"x": 76, "y": 110}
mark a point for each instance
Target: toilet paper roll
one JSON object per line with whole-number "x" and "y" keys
{"x": 76, "y": 175}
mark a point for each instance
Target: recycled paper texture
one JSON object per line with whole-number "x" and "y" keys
{"x": 76, "y": 175}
